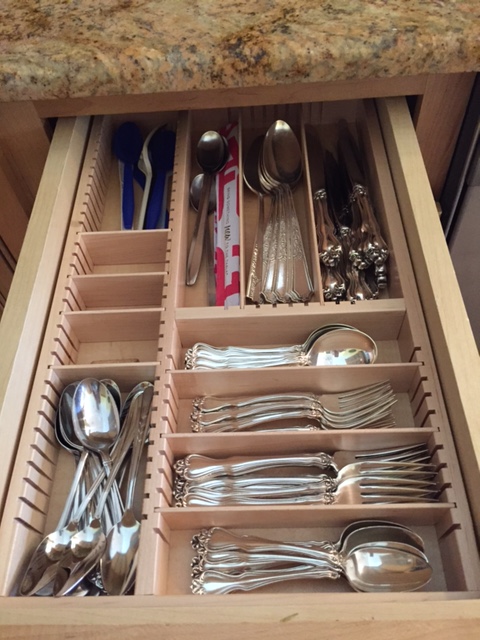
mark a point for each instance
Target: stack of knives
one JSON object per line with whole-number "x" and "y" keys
{"x": 352, "y": 251}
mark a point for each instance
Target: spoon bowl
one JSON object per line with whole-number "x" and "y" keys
{"x": 212, "y": 155}
{"x": 344, "y": 346}
{"x": 382, "y": 569}
{"x": 95, "y": 417}
{"x": 196, "y": 192}
{"x": 328, "y": 345}
{"x": 282, "y": 156}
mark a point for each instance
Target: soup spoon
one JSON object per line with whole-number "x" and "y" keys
{"x": 251, "y": 178}
{"x": 337, "y": 346}
{"x": 123, "y": 538}
{"x": 219, "y": 539}
{"x": 287, "y": 276}
{"x": 325, "y": 555}
{"x": 95, "y": 418}
{"x": 369, "y": 568}
{"x": 212, "y": 154}
{"x": 195, "y": 195}
{"x": 371, "y": 557}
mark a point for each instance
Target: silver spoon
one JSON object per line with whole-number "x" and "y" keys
{"x": 369, "y": 568}
{"x": 195, "y": 195}
{"x": 212, "y": 154}
{"x": 218, "y": 539}
{"x": 95, "y": 418}
{"x": 87, "y": 545}
{"x": 247, "y": 555}
{"x": 251, "y": 178}
{"x": 115, "y": 392}
{"x": 123, "y": 539}
{"x": 343, "y": 346}
{"x": 280, "y": 170}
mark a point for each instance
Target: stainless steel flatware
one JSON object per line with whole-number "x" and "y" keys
{"x": 366, "y": 407}
{"x": 368, "y": 248}
{"x": 326, "y": 346}
{"x": 400, "y": 474}
{"x": 371, "y": 556}
{"x": 329, "y": 246}
{"x": 212, "y": 154}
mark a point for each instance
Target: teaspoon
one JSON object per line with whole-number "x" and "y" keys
{"x": 118, "y": 561}
{"x": 212, "y": 154}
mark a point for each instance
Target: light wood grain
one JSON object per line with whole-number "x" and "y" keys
{"x": 23, "y": 321}
{"x": 439, "y": 614}
{"x": 24, "y": 146}
{"x": 438, "y": 117}
{"x": 266, "y": 617}
{"x": 236, "y": 96}
{"x": 452, "y": 339}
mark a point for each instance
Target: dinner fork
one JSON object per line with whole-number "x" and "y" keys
{"x": 407, "y": 476}
{"x": 362, "y": 489}
{"x": 195, "y": 466}
{"x": 369, "y": 406}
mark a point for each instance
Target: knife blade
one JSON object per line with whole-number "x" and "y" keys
{"x": 315, "y": 160}
{"x": 350, "y": 156}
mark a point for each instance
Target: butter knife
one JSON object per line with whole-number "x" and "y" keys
{"x": 371, "y": 248}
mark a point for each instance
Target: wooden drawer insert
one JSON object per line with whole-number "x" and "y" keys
{"x": 121, "y": 310}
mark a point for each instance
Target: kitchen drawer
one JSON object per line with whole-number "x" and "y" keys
{"x": 120, "y": 309}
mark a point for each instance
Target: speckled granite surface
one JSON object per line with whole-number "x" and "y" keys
{"x": 80, "y": 48}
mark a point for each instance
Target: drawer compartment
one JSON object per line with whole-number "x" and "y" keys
{"x": 178, "y": 556}
{"x": 122, "y": 310}
{"x": 254, "y": 122}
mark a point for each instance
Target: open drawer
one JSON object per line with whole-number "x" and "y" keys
{"x": 121, "y": 310}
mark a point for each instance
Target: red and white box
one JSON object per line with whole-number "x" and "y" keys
{"x": 227, "y": 224}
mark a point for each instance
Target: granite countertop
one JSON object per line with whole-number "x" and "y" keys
{"x": 82, "y": 48}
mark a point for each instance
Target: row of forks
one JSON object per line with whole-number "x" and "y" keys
{"x": 398, "y": 475}
{"x": 367, "y": 407}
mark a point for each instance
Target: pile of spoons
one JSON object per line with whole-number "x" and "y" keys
{"x": 334, "y": 344}
{"x": 373, "y": 556}
{"x": 279, "y": 270}
{"x": 93, "y": 549}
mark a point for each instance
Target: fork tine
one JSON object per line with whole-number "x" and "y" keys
{"x": 396, "y": 453}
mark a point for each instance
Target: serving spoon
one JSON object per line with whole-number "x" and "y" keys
{"x": 127, "y": 146}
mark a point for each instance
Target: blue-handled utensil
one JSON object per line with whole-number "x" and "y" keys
{"x": 161, "y": 151}
{"x": 127, "y": 146}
